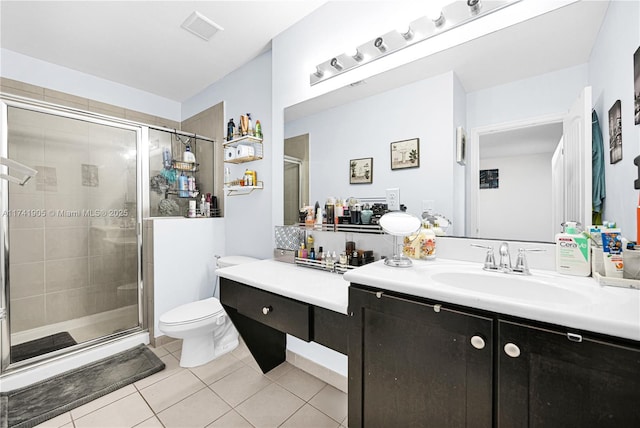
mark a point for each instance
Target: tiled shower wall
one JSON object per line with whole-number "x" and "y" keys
{"x": 66, "y": 262}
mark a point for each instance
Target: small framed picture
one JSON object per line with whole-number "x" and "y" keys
{"x": 489, "y": 179}
{"x": 615, "y": 133}
{"x": 361, "y": 171}
{"x": 461, "y": 145}
{"x": 405, "y": 154}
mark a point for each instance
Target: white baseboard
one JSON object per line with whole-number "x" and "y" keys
{"x": 321, "y": 372}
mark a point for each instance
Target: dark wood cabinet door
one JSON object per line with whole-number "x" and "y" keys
{"x": 413, "y": 364}
{"x": 548, "y": 380}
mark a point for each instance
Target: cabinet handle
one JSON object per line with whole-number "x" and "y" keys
{"x": 266, "y": 310}
{"x": 574, "y": 337}
{"x": 478, "y": 342}
{"x": 512, "y": 350}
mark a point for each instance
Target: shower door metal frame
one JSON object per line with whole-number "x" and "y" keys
{"x": 142, "y": 173}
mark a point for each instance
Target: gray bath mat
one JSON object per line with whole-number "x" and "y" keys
{"x": 29, "y": 406}
{"x": 43, "y": 345}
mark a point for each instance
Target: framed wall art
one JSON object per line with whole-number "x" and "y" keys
{"x": 361, "y": 171}
{"x": 461, "y": 145}
{"x": 405, "y": 154}
{"x": 615, "y": 132}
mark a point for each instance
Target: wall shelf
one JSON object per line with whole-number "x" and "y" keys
{"x": 247, "y": 140}
{"x": 235, "y": 190}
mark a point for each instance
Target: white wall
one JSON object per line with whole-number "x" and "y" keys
{"x": 248, "y": 217}
{"x": 183, "y": 261}
{"x": 40, "y": 73}
{"x": 527, "y": 180}
{"x": 541, "y": 95}
{"x": 611, "y": 78}
{"x": 367, "y": 127}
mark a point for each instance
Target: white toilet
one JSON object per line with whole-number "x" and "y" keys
{"x": 204, "y": 327}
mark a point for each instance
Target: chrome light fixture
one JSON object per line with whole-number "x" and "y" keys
{"x": 451, "y": 16}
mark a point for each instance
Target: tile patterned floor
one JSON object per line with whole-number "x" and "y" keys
{"x": 228, "y": 392}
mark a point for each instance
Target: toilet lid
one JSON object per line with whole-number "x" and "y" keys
{"x": 227, "y": 261}
{"x": 194, "y": 311}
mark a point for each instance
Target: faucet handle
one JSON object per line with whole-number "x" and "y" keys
{"x": 490, "y": 259}
{"x": 522, "y": 266}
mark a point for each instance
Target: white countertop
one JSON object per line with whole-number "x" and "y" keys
{"x": 324, "y": 289}
{"x": 574, "y": 302}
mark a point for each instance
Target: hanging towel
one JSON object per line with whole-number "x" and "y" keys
{"x": 598, "y": 190}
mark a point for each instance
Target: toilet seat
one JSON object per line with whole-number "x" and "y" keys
{"x": 193, "y": 312}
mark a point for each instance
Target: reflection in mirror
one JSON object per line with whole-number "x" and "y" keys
{"x": 516, "y": 165}
{"x": 510, "y": 75}
{"x": 296, "y": 176}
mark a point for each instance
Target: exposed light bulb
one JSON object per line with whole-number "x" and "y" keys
{"x": 336, "y": 64}
{"x": 318, "y": 73}
{"x": 355, "y": 54}
{"x": 439, "y": 21}
{"x": 406, "y": 32}
{"x": 474, "y": 6}
{"x": 379, "y": 43}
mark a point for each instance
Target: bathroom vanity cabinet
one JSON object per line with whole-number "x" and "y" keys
{"x": 559, "y": 379}
{"x": 416, "y": 363}
{"x": 263, "y": 319}
{"x": 413, "y": 363}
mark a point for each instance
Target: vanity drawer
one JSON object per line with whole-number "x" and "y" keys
{"x": 284, "y": 314}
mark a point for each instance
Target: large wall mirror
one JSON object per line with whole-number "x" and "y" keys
{"x": 531, "y": 73}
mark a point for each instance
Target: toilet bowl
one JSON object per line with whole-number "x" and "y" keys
{"x": 204, "y": 327}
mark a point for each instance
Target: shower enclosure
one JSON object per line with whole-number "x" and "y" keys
{"x": 70, "y": 236}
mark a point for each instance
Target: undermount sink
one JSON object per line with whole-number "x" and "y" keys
{"x": 511, "y": 286}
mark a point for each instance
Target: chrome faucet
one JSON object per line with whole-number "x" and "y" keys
{"x": 505, "y": 258}
{"x": 521, "y": 267}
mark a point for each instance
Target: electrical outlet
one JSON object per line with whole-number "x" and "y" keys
{"x": 393, "y": 199}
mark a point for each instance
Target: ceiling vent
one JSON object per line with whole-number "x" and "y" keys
{"x": 201, "y": 26}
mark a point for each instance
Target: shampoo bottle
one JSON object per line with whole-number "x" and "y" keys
{"x": 188, "y": 156}
{"x": 572, "y": 251}
{"x": 183, "y": 186}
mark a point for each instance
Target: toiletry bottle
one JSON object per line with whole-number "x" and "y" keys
{"x": 309, "y": 241}
{"x": 320, "y": 256}
{"x": 250, "y": 126}
{"x": 188, "y": 156}
{"x": 191, "y": 185}
{"x": 612, "y": 253}
{"x": 330, "y": 260}
{"x": 183, "y": 186}
{"x": 166, "y": 158}
{"x": 572, "y": 251}
{"x": 207, "y": 205}
{"x": 202, "y": 209}
{"x": 227, "y": 175}
{"x": 303, "y": 251}
{"x": 312, "y": 254}
{"x": 258, "y": 129}
{"x": 427, "y": 242}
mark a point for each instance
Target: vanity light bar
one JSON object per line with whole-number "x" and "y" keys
{"x": 452, "y": 16}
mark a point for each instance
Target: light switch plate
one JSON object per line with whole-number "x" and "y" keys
{"x": 393, "y": 199}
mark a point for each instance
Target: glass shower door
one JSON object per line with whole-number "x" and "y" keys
{"x": 72, "y": 272}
